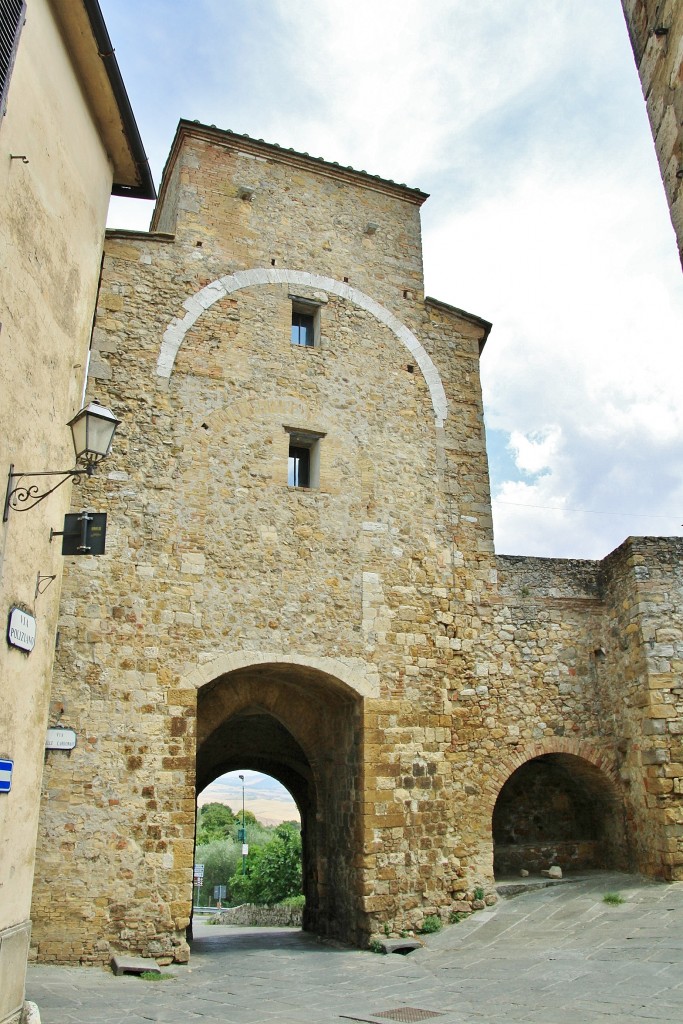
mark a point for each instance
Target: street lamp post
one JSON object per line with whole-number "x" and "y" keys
{"x": 243, "y": 833}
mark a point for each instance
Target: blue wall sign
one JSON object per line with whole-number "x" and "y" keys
{"x": 5, "y": 775}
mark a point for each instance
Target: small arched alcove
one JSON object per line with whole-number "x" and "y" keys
{"x": 558, "y": 808}
{"x": 302, "y": 727}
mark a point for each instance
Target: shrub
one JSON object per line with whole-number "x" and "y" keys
{"x": 431, "y": 923}
{"x": 294, "y": 901}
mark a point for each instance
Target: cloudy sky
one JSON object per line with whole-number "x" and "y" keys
{"x": 524, "y": 121}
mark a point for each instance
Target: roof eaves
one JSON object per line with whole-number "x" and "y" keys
{"x": 471, "y": 317}
{"x": 414, "y": 194}
{"x": 145, "y": 188}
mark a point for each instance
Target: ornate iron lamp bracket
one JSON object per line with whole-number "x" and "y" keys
{"x": 20, "y": 497}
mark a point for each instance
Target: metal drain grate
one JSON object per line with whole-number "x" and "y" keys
{"x": 408, "y": 1014}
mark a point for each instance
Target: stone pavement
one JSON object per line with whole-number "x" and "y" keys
{"x": 552, "y": 956}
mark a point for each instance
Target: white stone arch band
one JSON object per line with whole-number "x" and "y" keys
{"x": 202, "y": 300}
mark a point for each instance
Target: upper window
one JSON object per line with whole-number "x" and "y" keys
{"x": 303, "y": 329}
{"x": 12, "y": 16}
{"x": 305, "y": 322}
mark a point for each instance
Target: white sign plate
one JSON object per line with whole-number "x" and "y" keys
{"x": 21, "y": 630}
{"x": 60, "y": 739}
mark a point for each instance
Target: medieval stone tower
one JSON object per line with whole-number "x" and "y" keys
{"x": 300, "y": 579}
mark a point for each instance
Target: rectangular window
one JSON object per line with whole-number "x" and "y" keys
{"x": 303, "y": 464}
{"x": 305, "y": 322}
{"x": 299, "y": 468}
{"x": 303, "y": 329}
{"x": 12, "y": 17}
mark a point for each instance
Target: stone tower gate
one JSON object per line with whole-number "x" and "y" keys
{"x": 300, "y": 578}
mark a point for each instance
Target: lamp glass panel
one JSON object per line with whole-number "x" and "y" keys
{"x": 78, "y": 430}
{"x": 93, "y": 432}
{"x": 100, "y": 433}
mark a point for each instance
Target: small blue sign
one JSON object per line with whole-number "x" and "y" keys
{"x": 5, "y": 775}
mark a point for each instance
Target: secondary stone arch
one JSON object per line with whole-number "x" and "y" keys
{"x": 356, "y": 675}
{"x": 291, "y": 718}
{"x": 559, "y": 803}
{"x": 195, "y": 305}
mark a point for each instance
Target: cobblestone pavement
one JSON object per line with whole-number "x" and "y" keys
{"x": 556, "y": 955}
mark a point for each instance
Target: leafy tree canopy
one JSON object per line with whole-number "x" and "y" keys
{"x": 249, "y": 818}
{"x": 215, "y": 821}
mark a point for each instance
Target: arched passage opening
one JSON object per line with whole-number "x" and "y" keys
{"x": 558, "y": 809}
{"x": 302, "y": 727}
{"x": 247, "y": 845}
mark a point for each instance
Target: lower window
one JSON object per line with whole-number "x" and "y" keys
{"x": 303, "y": 464}
{"x": 299, "y": 467}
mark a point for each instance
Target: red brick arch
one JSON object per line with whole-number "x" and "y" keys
{"x": 595, "y": 755}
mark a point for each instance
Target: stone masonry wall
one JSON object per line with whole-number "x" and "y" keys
{"x": 254, "y": 916}
{"x": 358, "y": 638}
{"x": 641, "y": 677}
{"x": 656, "y": 31}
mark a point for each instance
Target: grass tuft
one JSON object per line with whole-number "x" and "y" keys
{"x": 613, "y": 898}
{"x": 456, "y": 916}
{"x": 155, "y": 976}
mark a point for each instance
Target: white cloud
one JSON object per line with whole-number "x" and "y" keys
{"x": 536, "y": 452}
{"x": 525, "y": 121}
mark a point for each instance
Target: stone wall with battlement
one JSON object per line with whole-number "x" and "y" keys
{"x": 357, "y": 639}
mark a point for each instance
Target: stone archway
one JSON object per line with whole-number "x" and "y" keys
{"x": 558, "y": 808}
{"x": 302, "y": 726}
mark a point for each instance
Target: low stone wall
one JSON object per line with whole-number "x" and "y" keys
{"x": 261, "y": 917}
{"x": 579, "y": 855}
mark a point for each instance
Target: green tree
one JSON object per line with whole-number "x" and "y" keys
{"x": 220, "y": 859}
{"x": 273, "y": 871}
{"x": 214, "y": 821}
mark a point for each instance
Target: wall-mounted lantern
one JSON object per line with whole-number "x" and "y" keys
{"x": 93, "y": 431}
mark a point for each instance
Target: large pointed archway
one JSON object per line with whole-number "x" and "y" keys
{"x": 302, "y": 726}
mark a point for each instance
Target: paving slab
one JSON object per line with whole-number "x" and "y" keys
{"x": 549, "y": 956}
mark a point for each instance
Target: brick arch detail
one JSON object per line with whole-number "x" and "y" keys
{"x": 587, "y": 751}
{"x": 359, "y": 677}
{"x": 195, "y": 305}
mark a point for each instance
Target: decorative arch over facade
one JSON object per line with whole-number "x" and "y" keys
{"x": 594, "y": 755}
{"x": 202, "y": 300}
{"x": 356, "y": 675}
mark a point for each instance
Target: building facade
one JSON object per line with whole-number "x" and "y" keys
{"x": 656, "y": 31}
{"x": 300, "y": 578}
{"x": 67, "y": 139}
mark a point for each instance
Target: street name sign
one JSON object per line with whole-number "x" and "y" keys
{"x": 21, "y": 630}
{"x": 60, "y": 739}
